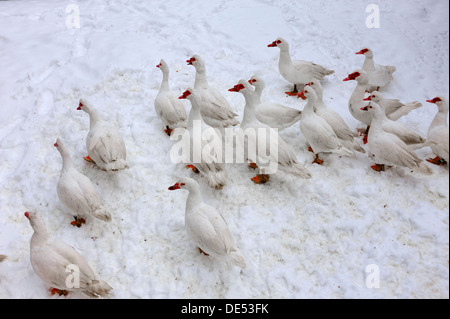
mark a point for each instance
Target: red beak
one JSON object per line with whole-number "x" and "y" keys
{"x": 174, "y": 187}
{"x": 185, "y": 94}
{"x": 273, "y": 44}
{"x": 158, "y": 65}
{"x": 80, "y": 106}
{"x": 369, "y": 98}
{"x": 55, "y": 145}
{"x": 27, "y": 215}
{"x": 237, "y": 88}
{"x": 301, "y": 95}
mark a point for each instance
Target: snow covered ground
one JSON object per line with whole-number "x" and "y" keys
{"x": 317, "y": 238}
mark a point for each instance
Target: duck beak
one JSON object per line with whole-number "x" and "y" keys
{"x": 27, "y": 215}
{"x": 273, "y": 44}
{"x": 174, "y": 187}
{"x": 301, "y": 95}
{"x": 365, "y": 108}
{"x": 80, "y": 106}
{"x": 368, "y": 99}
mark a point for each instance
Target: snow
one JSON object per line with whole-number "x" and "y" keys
{"x": 301, "y": 238}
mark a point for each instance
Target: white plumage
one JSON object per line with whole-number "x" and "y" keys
{"x": 76, "y": 190}
{"x": 167, "y": 105}
{"x": 105, "y": 145}
{"x": 297, "y": 72}
{"x": 273, "y": 114}
{"x": 337, "y": 123}
{"x": 400, "y": 129}
{"x": 389, "y": 149}
{"x": 53, "y": 261}
{"x": 379, "y": 75}
{"x": 438, "y": 132}
{"x": 206, "y": 226}
{"x": 209, "y": 161}
{"x": 215, "y": 109}
{"x": 316, "y": 130}
{"x": 277, "y": 153}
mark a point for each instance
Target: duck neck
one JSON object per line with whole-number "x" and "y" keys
{"x": 440, "y": 119}
{"x": 310, "y": 104}
{"x": 194, "y": 113}
{"x": 249, "y": 116}
{"x": 285, "y": 56}
{"x": 93, "y": 118}
{"x": 165, "y": 81}
{"x": 358, "y": 93}
{"x": 40, "y": 234}
{"x": 67, "y": 160}
{"x": 368, "y": 65}
{"x": 258, "y": 94}
{"x": 200, "y": 78}
{"x": 194, "y": 198}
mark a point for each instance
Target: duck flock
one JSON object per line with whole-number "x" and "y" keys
{"x": 390, "y": 143}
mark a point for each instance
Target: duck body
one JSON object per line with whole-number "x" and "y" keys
{"x": 167, "y": 105}
{"x": 438, "y": 134}
{"x": 53, "y": 260}
{"x": 209, "y": 159}
{"x": 104, "y": 143}
{"x": 206, "y": 226}
{"x": 284, "y": 159}
{"x": 333, "y": 119}
{"x": 316, "y": 130}
{"x": 389, "y": 149}
{"x": 272, "y": 114}
{"x": 389, "y": 125}
{"x": 379, "y": 76}
{"x": 215, "y": 109}
{"x": 76, "y": 190}
{"x": 297, "y": 72}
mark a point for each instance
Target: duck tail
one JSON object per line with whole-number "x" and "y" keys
{"x": 102, "y": 214}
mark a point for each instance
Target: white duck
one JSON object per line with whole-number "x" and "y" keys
{"x": 316, "y": 130}
{"x": 298, "y": 72}
{"x": 77, "y": 192}
{"x": 215, "y": 109}
{"x": 379, "y": 75}
{"x": 333, "y": 118}
{"x": 272, "y": 114}
{"x": 438, "y": 132}
{"x": 393, "y": 108}
{"x": 356, "y": 102}
{"x": 284, "y": 159}
{"x": 167, "y": 105}
{"x": 387, "y": 148}
{"x": 104, "y": 143}
{"x": 406, "y": 134}
{"x": 206, "y": 226}
{"x": 54, "y": 261}
{"x": 208, "y": 162}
